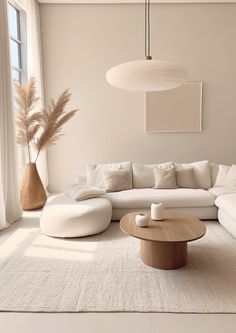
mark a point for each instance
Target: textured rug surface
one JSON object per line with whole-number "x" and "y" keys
{"x": 104, "y": 273}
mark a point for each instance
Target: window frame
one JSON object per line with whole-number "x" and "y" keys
{"x": 21, "y": 41}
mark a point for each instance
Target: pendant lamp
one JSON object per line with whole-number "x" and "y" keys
{"x": 147, "y": 75}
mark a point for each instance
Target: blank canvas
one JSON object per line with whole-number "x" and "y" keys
{"x": 175, "y": 110}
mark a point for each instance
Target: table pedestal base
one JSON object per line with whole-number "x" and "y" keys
{"x": 164, "y": 255}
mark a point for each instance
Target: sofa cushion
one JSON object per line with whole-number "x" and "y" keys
{"x": 95, "y": 172}
{"x": 143, "y": 175}
{"x": 143, "y": 198}
{"x": 221, "y": 190}
{"x": 221, "y": 175}
{"x": 118, "y": 180}
{"x": 227, "y": 202}
{"x": 185, "y": 178}
{"x": 78, "y": 192}
{"x": 214, "y": 172}
{"x": 202, "y": 213}
{"x": 164, "y": 177}
{"x": 202, "y": 172}
{"x": 230, "y": 179}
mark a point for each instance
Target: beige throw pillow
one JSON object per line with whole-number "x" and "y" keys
{"x": 185, "y": 178}
{"x": 230, "y": 179}
{"x": 117, "y": 180}
{"x": 165, "y": 177}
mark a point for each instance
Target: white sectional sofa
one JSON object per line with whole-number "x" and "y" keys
{"x": 206, "y": 201}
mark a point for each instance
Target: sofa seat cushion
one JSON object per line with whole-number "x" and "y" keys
{"x": 221, "y": 190}
{"x": 143, "y": 198}
{"x": 227, "y": 202}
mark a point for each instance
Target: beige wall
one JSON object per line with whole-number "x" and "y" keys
{"x": 80, "y": 42}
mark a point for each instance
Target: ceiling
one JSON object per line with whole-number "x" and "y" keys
{"x": 135, "y": 1}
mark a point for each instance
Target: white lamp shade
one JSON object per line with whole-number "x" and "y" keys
{"x": 147, "y": 75}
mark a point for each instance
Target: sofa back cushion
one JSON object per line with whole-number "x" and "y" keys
{"x": 185, "y": 178}
{"x": 221, "y": 175}
{"x": 95, "y": 172}
{"x": 143, "y": 175}
{"x": 230, "y": 179}
{"x": 214, "y": 172}
{"x": 201, "y": 170}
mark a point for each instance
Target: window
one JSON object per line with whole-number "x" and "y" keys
{"x": 16, "y": 18}
{"x": 18, "y": 53}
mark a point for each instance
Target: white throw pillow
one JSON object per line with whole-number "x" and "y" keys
{"x": 230, "y": 179}
{"x": 185, "y": 178}
{"x": 117, "y": 181}
{"x": 95, "y": 172}
{"x": 202, "y": 172}
{"x": 164, "y": 177}
{"x": 143, "y": 175}
{"x": 79, "y": 193}
{"x": 222, "y": 173}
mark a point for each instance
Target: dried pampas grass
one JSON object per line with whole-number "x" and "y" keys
{"x": 39, "y": 128}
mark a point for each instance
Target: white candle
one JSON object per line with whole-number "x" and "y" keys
{"x": 157, "y": 211}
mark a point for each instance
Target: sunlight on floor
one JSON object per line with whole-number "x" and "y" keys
{"x": 15, "y": 242}
{"x": 45, "y": 247}
{"x": 26, "y": 240}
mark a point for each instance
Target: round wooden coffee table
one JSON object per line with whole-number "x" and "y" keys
{"x": 164, "y": 243}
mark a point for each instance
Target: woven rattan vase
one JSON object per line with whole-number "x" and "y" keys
{"x": 33, "y": 195}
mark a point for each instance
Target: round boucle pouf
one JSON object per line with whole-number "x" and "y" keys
{"x": 64, "y": 217}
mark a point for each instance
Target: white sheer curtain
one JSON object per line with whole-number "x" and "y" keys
{"x": 9, "y": 200}
{"x": 34, "y": 68}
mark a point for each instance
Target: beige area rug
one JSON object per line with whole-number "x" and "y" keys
{"x": 104, "y": 273}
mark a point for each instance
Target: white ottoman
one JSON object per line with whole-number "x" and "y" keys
{"x": 64, "y": 217}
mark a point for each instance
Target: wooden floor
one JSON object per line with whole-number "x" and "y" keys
{"x": 115, "y": 323}
{"x": 108, "y": 322}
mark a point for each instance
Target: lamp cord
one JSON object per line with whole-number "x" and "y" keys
{"x": 147, "y": 31}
